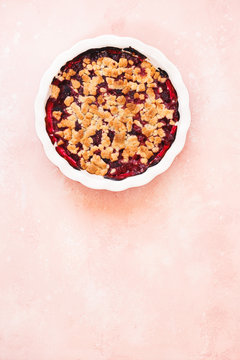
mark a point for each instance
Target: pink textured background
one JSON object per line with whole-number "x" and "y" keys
{"x": 147, "y": 274}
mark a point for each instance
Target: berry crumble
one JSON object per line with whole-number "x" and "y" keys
{"x": 112, "y": 113}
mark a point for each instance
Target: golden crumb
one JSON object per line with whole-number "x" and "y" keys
{"x": 55, "y": 91}
{"x": 68, "y": 100}
{"x": 75, "y": 83}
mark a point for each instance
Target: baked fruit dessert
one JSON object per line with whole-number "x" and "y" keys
{"x": 112, "y": 113}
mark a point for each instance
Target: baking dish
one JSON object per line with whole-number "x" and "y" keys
{"x": 158, "y": 59}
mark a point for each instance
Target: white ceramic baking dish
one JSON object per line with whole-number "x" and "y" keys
{"x": 158, "y": 59}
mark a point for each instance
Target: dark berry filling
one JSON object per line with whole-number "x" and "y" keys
{"x": 119, "y": 169}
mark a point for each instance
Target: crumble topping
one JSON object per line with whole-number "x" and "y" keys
{"x": 112, "y": 112}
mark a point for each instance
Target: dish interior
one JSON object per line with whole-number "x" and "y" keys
{"x": 112, "y": 113}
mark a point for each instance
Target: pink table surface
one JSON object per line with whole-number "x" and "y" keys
{"x": 151, "y": 273}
